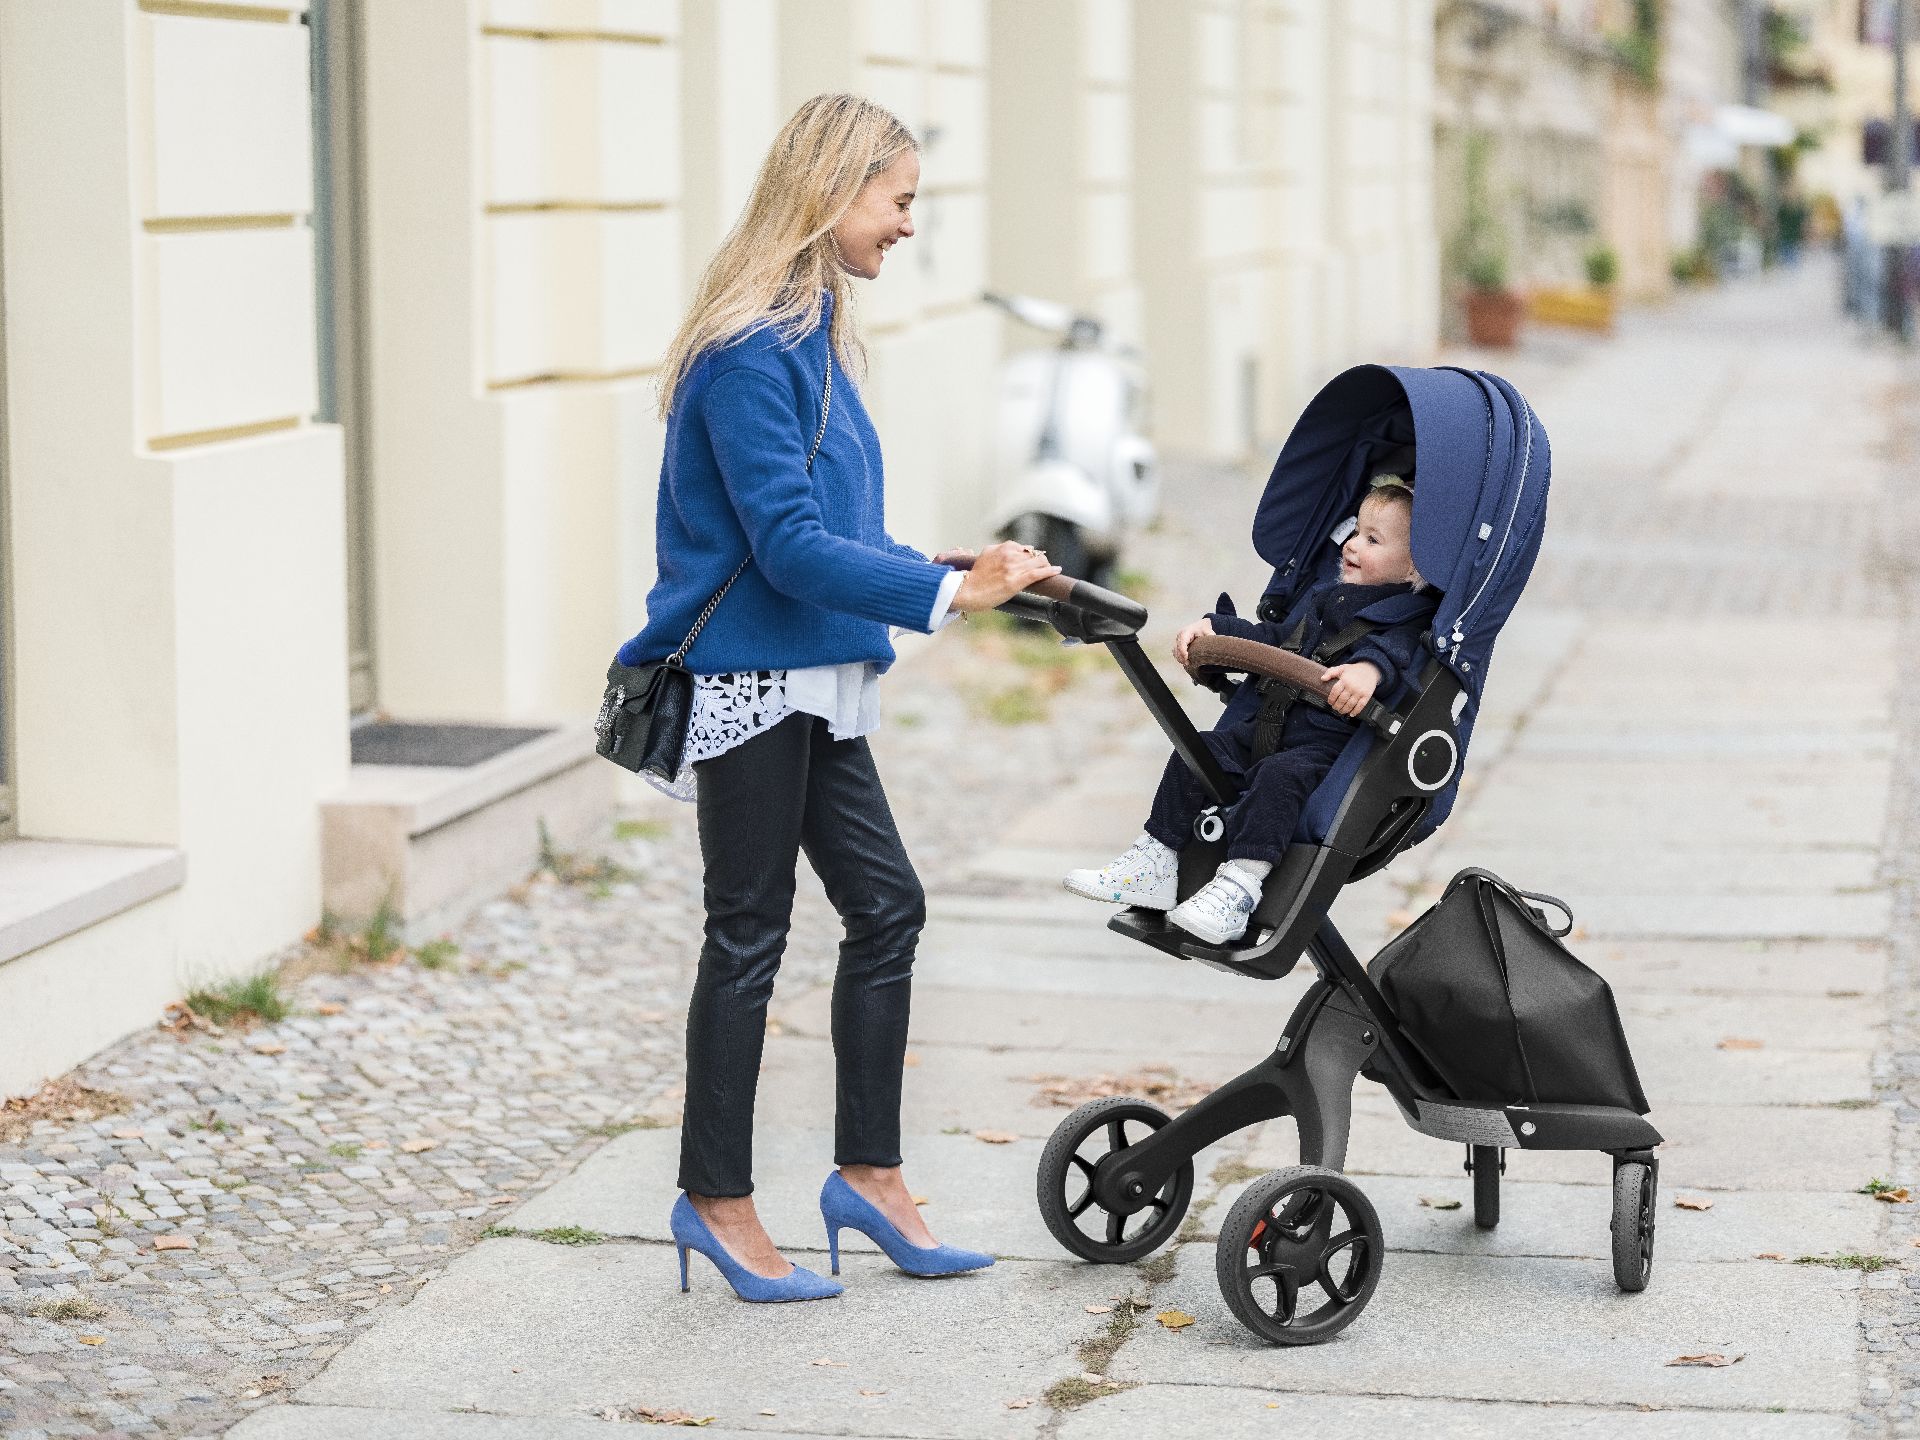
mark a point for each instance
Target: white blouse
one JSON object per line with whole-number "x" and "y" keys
{"x": 731, "y": 709}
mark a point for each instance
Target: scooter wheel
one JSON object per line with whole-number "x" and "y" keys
{"x": 1069, "y": 1164}
{"x": 1299, "y": 1255}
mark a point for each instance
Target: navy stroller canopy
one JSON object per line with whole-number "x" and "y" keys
{"x": 1478, "y": 461}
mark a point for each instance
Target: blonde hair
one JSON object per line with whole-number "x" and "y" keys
{"x": 780, "y": 257}
{"x": 1394, "y": 492}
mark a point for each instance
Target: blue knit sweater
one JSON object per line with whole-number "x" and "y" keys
{"x": 826, "y": 580}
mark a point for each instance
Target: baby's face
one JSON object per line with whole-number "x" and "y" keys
{"x": 1377, "y": 552}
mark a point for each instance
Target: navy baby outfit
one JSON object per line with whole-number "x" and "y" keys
{"x": 1262, "y": 821}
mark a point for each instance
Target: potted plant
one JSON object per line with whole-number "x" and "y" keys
{"x": 1493, "y": 311}
{"x": 1603, "y": 267}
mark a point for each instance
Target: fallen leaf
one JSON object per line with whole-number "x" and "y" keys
{"x": 910, "y": 1060}
{"x": 386, "y": 1289}
{"x": 1897, "y": 1196}
{"x": 665, "y": 1417}
{"x": 922, "y": 1199}
{"x": 824, "y": 1361}
{"x": 414, "y": 1147}
{"x": 269, "y": 1047}
{"x": 1093, "y": 1379}
{"x": 375, "y": 1145}
{"x": 995, "y": 1137}
{"x": 872, "y": 1392}
{"x": 1021, "y": 1404}
{"x": 1433, "y": 1202}
{"x": 1108, "y": 1309}
{"x": 1399, "y": 919}
{"x": 173, "y": 1242}
{"x": 91, "y": 1339}
{"x": 1711, "y": 1361}
{"x": 1692, "y": 1202}
{"x": 129, "y": 1134}
{"x": 502, "y": 1199}
{"x": 774, "y": 1027}
{"x": 1174, "y": 1319}
{"x": 1741, "y": 1042}
{"x": 1160, "y": 1083}
{"x": 1776, "y": 1255}
{"x": 329, "y": 1008}
{"x": 769, "y": 1412}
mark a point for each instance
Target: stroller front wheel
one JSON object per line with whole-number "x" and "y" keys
{"x": 1069, "y": 1166}
{"x": 1299, "y": 1255}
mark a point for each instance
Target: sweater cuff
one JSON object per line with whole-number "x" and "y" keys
{"x": 943, "y": 612}
{"x": 903, "y": 591}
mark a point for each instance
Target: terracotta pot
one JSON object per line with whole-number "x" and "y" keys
{"x": 1493, "y": 317}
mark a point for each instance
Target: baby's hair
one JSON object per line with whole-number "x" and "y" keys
{"x": 1394, "y": 490}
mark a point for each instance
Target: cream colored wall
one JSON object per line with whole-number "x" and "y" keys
{"x": 174, "y": 513}
{"x": 1283, "y": 205}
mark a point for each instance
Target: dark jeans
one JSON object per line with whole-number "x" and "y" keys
{"x": 790, "y": 788}
{"x": 1260, "y": 824}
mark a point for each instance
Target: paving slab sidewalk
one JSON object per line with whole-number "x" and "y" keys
{"x": 1716, "y": 828}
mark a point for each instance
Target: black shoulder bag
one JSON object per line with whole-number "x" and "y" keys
{"x": 645, "y": 713}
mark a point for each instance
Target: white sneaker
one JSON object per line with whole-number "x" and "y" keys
{"x": 1146, "y": 875}
{"x": 1217, "y": 912}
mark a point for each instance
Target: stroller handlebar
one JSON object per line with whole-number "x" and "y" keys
{"x": 1224, "y": 652}
{"x": 1065, "y": 590}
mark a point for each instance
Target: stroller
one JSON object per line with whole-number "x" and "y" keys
{"x": 1300, "y": 1253}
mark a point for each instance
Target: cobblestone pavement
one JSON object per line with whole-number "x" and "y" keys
{"x": 315, "y": 1172}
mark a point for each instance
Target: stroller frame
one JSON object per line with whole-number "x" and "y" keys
{"x": 1341, "y": 1029}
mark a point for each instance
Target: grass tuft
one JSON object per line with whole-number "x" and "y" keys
{"x": 613, "y": 1129}
{"x": 597, "y": 874}
{"x": 436, "y": 954}
{"x": 74, "y": 1307}
{"x": 1077, "y": 1390}
{"x": 567, "y": 1235}
{"x": 256, "y": 998}
{"x": 346, "y": 1150}
{"x": 1849, "y": 1261}
{"x": 639, "y": 829}
{"x": 1158, "y": 1269}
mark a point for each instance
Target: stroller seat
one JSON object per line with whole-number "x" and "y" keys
{"x": 1414, "y": 755}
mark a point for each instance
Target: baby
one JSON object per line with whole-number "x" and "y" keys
{"x": 1376, "y": 569}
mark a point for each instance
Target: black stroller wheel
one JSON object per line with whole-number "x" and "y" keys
{"x": 1299, "y": 1255}
{"x": 1633, "y": 1214}
{"x": 1484, "y": 1162}
{"x": 1064, "y": 1184}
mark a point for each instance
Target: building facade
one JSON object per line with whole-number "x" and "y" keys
{"x": 329, "y": 332}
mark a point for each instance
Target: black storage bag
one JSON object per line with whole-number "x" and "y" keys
{"x": 1500, "y": 1008}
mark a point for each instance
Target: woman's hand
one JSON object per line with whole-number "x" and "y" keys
{"x": 1353, "y": 686}
{"x": 1193, "y": 632}
{"x": 999, "y": 573}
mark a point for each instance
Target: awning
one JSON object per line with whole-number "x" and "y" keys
{"x": 1716, "y": 144}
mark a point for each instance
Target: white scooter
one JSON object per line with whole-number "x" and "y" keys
{"x": 1072, "y": 472}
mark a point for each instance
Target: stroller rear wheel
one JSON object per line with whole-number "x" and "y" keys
{"x": 1634, "y": 1183}
{"x": 1299, "y": 1255}
{"x": 1065, "y": 1184}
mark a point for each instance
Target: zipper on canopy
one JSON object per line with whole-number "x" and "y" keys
{"x": 1519, "y": 491}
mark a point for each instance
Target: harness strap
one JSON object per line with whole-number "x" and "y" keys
{"x": 1277, "y": 697}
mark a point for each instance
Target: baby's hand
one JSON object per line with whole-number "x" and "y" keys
{"x": 1186, "y": 637}
{"x": 1353, "y": 686}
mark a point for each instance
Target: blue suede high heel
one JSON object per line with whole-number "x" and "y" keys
{"x": 843, "y": 1206}
{"x": 690, "y": 1232}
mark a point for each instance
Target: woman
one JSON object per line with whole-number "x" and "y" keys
{"x": 772, "y": 477}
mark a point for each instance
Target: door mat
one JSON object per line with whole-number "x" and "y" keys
{"x": 397, "y": 742}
